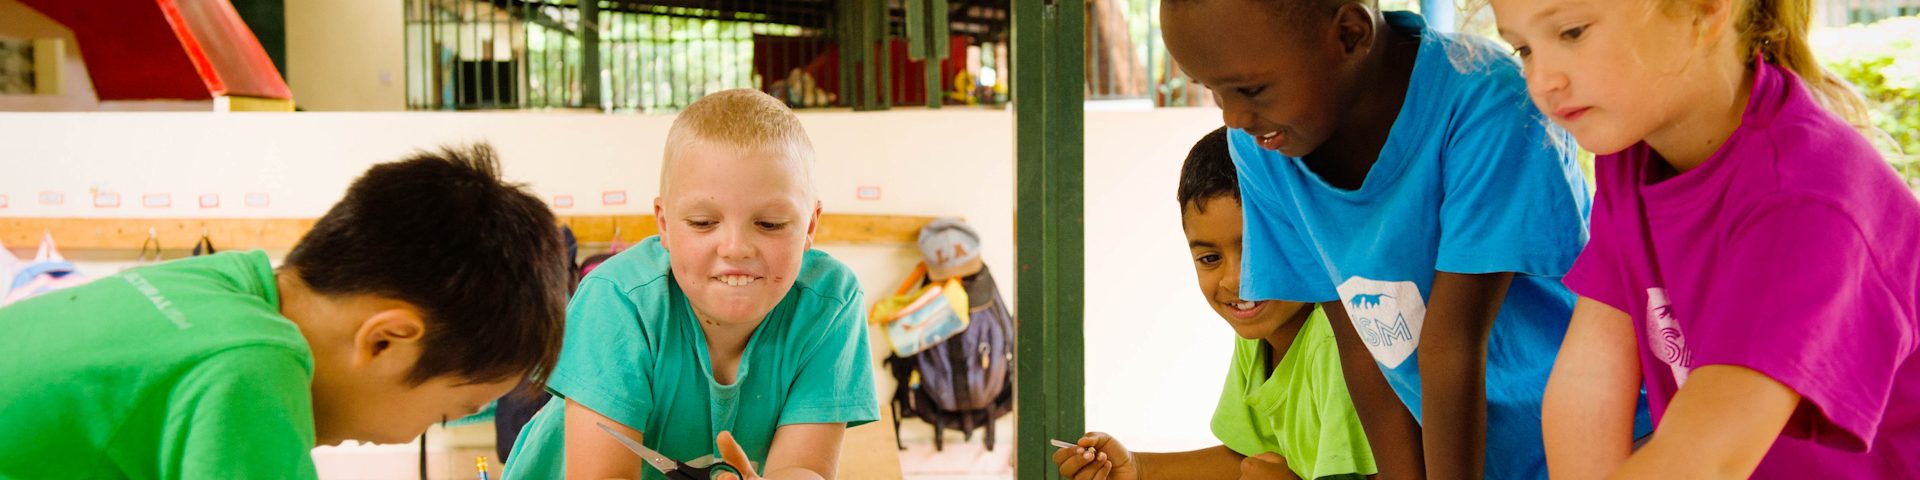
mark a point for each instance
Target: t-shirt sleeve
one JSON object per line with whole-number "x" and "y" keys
{"x": 1596, "y": 273}
{"x": 1232, "y": 420}
{"x": 1343, "y": 443}
{"x": 604, "y": 362}
{"x": 1513, "y": 198}
{"x": 1802, "y": 300}
{"x": 242, "y": 413}
{"x": 834, "y": 383}
{"x": 1277, "y": 262}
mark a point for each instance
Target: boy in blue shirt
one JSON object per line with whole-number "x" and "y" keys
{"x": 1399, "y": 176}
{"x": 724, "y": 335}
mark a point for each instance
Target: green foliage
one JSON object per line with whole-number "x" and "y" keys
{"x": 1882, "y": 61}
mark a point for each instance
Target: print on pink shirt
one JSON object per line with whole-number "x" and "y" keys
{"x": 1664, "y": 337}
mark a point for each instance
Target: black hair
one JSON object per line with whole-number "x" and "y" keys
{"x": 481, "y": 259}
{"x": 1209, "y": 172}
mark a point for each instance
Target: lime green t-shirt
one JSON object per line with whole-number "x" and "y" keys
{"x": 1300, "y": 411}
{"x": 634, "y": 353}
{"x": 181, "y": 370}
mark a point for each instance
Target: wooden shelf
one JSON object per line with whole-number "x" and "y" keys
{"x": 282, "y": 233}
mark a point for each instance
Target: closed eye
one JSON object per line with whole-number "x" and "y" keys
{"x": 1574, "y": 33}
{"x": 1251, "y": 91}
{"x": 772, "y": 226}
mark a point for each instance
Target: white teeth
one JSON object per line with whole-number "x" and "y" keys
{"x": 1244, "y": 305}
{"x": 1270, "y": 135}
{"x": 736, "y": 280}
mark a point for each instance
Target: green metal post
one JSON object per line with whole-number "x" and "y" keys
{"x": 1049, "y": 127}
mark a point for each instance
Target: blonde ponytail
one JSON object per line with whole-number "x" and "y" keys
{"x": 1777, "y": 29}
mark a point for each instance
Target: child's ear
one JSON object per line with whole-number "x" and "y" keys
{"x": 1713, "y": 18}
{"x": 660, "y": 221}
{"x": 813, "y": 224}
{"x": 1354, "y": 29}
{"x": 391, "y": 334}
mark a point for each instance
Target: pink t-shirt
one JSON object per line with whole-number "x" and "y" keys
{"x": 1794, "y": 251}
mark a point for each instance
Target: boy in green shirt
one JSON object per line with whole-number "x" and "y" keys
{"x": 726, "y": 334}
{"x": 1284, "y": 412}
{"x": 429, "y": 290}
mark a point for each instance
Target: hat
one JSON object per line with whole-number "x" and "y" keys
{"x": 950, "y": 247}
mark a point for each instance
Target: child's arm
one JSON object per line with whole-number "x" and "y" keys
{"x": 591, "y": 454}
{"x": 1587, "y": 414}
{"x": 1719, "y": 426}
{"x": 1121, "y": 464}
{"x": 805, "y": 451}
{"x": 800, "y": 451}
{"x": 1391, "y": 429}
{"x": 1453, "y": 371}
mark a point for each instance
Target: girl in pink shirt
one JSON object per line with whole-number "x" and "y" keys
{"x": 1754, "y": 264}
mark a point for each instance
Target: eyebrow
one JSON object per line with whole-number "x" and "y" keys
{"x": 1201, "y": 244}
{"x": 1544, "y": 13}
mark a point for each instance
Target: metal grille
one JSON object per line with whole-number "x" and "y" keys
{"x": 663, "y": 54}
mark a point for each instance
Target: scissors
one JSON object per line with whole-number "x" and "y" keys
{"x": 703, "y": 468}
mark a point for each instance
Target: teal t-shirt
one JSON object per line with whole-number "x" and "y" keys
{"x": 181, "y": 370}
{"x": 635, "y": 354}
{"x": 1301, "y": 410}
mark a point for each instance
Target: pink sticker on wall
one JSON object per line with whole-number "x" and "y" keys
{"x": 53, "y": 198}
{"x": 257, "y": 200}
{"x": 156, "y": 200}
{"x": 210, "y": 200}
{"x": 616, "y": 197}
{"x": 106, "y": 200}
{"x": 3, "y": 201}
{"x": 868, "y": 192}
{"x": 563, "y": 201}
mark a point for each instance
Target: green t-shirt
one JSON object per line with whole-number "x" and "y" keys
{"x": 634, "y": 353}
{"x": 1301, "y": 411}
{"x": 182, "y": 370}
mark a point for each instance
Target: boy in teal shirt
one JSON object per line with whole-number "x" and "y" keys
{"x": 429, "y": 290}
{"x": 726, "y": 334}
{"x": 1284, "y": 412}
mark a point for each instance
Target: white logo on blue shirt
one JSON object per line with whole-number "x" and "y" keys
{"x": 1387, "y": 315}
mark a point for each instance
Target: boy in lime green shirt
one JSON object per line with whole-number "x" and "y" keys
{"x": 1284, "y": 412}
{"x": 429, "y": 290}
{"x": 726, "y": 334}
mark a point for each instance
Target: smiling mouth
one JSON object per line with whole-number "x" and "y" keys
{"x": 1271, "y": 140}
{"x": 737, "y": 280}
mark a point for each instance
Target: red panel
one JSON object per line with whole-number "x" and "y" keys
{"x": 166, "y": 49}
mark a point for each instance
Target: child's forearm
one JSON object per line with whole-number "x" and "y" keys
{"x": 1390, "y": 427}
{"x": 1719, "y": 426}
{"x": 1587, "y": 412}
{"x": 1453, "y": 371}
{"x": 794, "y": 473}
{"x": 1216, "y": 462}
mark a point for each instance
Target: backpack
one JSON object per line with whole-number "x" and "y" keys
{"x": 966, "y": 381}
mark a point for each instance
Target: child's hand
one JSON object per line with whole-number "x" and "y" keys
{"x": 1097, "y": 456}
{"x": 1265, "y": 466}
{"x": 735, "y": 456}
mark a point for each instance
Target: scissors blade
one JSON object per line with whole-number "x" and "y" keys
{"x": 653, "y": 458}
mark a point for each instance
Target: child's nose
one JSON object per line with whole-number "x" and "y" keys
{"x": 734, "y": 244}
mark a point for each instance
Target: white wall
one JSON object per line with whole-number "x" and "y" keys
{"x": 1156, "y": 354}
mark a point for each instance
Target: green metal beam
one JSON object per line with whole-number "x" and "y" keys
{"x": 1049, "y": 128}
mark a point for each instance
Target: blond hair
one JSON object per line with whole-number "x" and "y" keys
{"x": 1777, "y": 30}
{"x": 746, "y": 121}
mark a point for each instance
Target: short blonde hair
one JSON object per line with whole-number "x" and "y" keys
{"x": 743, "y": 119}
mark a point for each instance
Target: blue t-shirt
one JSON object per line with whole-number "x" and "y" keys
{"x": 635, "y": 354}
{"x": 1472, "y": 179}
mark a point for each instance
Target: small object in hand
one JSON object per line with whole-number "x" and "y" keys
{"x": 481, "y": 463}
{"x": 1062, "y": 444}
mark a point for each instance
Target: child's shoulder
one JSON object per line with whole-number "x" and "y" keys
{"x": 823, "y": 276}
